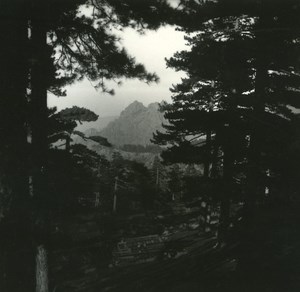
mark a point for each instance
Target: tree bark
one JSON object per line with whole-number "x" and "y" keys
{"x": 226, "y": 192}
{"x": 39, "y": 110}
{"x": 13, "y": 104}
{"x": 254, "y": 189}
{"x": 41, "y": 270}
{"x": 248, "y": 258}
{"x": 15, "y": 223}
{"x": 208, "y": 154}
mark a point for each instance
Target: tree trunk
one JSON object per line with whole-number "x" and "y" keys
{"x": 41, "y": 270}
{"x": 13, "y": 104}
{"x": 68, "y": 143}
{"x": 39, "y": 109}
{"x": 207, "y": 154}
{"x": 249, "y": 259}
{"x": 14, "y": 196}
{"x": 226, "y": 192}
{"x": 254, "y": 189}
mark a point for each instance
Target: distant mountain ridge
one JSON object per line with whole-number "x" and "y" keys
{"x": 135, "y": 125}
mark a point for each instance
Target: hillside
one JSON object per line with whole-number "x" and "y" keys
{"x": 144, "y": 158}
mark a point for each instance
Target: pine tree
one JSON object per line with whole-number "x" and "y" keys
{"x": 235, "y": 74}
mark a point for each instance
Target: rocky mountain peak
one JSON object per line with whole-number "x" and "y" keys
{"x": 135, "y": 125}
{"x": 133, "y": 108}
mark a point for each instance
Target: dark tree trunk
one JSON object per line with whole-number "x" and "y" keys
{"x": 15, "y": 223}
{"x": 39, "y": 110}
{"x": 226, "y": 192}
{"x": 254, "y": 188}
{"x": 13, "y": 104}
{"x": 206, "y": 174}
{"x": 40, "y": 57}
{"x": 207, "y": 154}
{"x": 215, "y": 157}
{"x": 68, "y": 143}
{"x": 249, "y": 253}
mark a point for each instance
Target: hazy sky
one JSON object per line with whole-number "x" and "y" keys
{"x": 149, "y": 49}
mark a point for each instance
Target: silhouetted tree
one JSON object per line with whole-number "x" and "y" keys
{"x": 235, "y": 74}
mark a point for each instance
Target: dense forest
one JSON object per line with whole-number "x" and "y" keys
{"x": 217, "y": 210}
